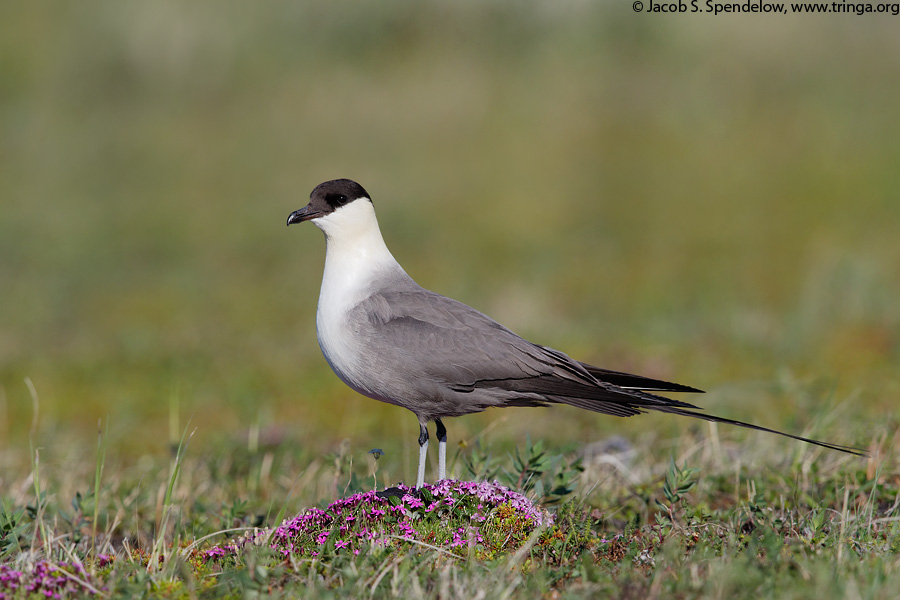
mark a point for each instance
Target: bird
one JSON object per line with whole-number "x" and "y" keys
{"x": 392, "y": 340}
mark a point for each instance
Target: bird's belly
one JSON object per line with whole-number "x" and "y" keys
{"x": 348, "y": 358}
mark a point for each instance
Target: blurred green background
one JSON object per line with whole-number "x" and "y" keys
{"x": 714, "y": 200}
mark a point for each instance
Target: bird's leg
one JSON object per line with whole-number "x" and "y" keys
{"x": 423, "y": 452}
{"x": 441, "y": 433}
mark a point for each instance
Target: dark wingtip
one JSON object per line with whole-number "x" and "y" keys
{"x": 630, "y": 381}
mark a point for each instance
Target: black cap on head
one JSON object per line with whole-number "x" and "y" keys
{"x": 328, "y": 197}
{"x": 338, "y": 192}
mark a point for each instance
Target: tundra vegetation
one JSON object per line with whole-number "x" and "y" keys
{"x": 705, "y": 199}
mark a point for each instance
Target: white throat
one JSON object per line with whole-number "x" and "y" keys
{"x": 355, "y": 252}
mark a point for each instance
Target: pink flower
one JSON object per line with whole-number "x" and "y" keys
{"x": 413, "y": 501}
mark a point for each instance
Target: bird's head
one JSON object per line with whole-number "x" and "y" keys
{"x": 334, "y": 202}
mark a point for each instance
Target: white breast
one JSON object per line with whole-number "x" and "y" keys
{"x": 356, "y": 258}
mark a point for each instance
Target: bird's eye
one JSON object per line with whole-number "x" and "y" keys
{"x": 336, "y": 199}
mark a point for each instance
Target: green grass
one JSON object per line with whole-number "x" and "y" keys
{"x": 715, "y": 519}
{"x": 713, "y": 201}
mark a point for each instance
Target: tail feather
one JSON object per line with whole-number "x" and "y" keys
{"x": 630, "y": 383}
{"x": 714, "y": 419}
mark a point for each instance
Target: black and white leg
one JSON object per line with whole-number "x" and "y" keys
{"x": 441, "y": 433}
{"x": 423, "y": 452}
